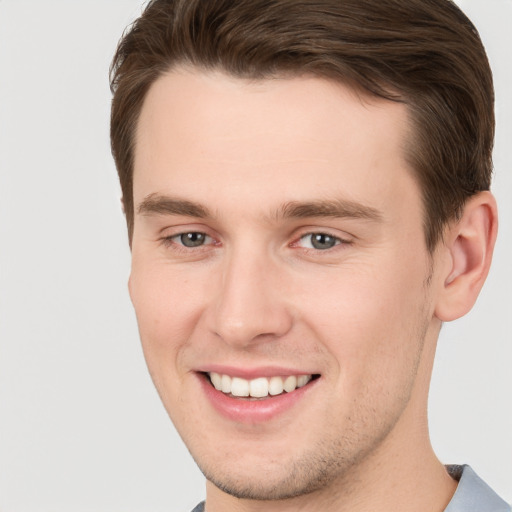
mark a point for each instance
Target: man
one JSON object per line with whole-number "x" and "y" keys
{"x": 306, "y": 186}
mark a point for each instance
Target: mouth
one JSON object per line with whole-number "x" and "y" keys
{"x": 259, "y": 388}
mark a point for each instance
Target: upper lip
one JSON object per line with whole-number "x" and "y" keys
{"x": 254, "y": 372}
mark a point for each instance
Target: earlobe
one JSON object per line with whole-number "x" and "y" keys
{"x": 469, "y": 243}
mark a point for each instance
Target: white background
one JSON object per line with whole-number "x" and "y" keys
{"x": 81, "y": 428}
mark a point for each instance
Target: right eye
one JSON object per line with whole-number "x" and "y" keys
{"x": 191, "y": 239}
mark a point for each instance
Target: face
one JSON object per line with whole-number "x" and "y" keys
{"x": 280, "y": 277}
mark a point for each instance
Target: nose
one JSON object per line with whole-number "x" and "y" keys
{"x": 251, "y": 303}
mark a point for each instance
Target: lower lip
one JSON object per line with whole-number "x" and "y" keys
{"x": 252, "y": 411}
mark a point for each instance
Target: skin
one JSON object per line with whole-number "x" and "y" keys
{"x": 364, "y": 314}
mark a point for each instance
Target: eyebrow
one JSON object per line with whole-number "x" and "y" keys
{"x": 156, "y": 204}
{"x": 338, "y": 208}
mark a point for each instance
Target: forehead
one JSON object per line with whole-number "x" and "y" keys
{"x": 311, "y": 136}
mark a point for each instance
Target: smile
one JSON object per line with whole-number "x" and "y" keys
{"x": 260, "y": 387}
{"x": 258, "y": 397}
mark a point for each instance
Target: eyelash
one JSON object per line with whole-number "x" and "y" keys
{"x": 171, "y": 241}
{"x": 176, "y": 241}
{"x": 336, "y": 241}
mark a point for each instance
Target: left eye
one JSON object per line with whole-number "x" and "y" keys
{"x": 319, "y": 241}
{"x": 192, "y": 239}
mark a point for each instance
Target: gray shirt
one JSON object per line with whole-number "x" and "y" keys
{"x": 472, "y": 494}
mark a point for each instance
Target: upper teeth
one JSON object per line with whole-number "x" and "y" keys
{"x": 260, "y": 387}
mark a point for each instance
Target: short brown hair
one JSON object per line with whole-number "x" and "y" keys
{"x": 425, "y": 53}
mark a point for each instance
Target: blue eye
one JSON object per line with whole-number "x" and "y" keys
{"x": 191, "y": 239}
{"x": 319, "y": 241}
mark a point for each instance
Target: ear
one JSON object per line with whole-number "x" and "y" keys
{"x": 468, "y": 245}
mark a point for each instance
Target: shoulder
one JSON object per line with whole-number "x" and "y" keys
{"x": 473, "y": 494}
{"x": 199, "y": 508}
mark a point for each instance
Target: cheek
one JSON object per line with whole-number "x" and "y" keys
{"x": 167, "y": 308}
{"x": 375, "y": 334}
{"x": 372, "y": 322}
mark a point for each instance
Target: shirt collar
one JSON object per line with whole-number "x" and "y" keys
{"x": 473, "y": 494}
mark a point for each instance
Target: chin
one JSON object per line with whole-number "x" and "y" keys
{"x": 264, "y": 486}
{"x": 276, "y": 479}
